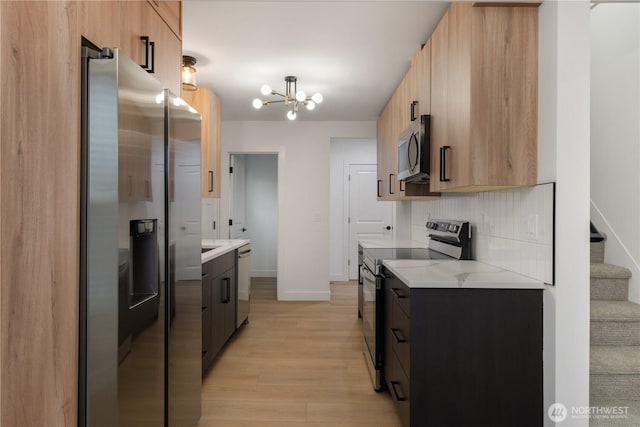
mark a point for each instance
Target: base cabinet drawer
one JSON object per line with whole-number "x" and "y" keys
{"x": 400, "y": 390}
{"x": 400, "y": 333}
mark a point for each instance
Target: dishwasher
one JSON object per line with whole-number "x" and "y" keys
{"x": 244, "y": 284}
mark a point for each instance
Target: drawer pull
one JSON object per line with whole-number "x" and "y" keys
{"x": 395, "y": 391}
{"x": 398, "y": 339}
{"x": 398, "y": 295}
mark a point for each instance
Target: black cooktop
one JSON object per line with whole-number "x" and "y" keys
{"x": 379, "y": 254}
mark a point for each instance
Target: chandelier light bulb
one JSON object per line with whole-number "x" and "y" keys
{"x": 257, "y": 104}
{"x": 291, "y": 115}
{"x": 311, "y": 105}
{"x": 301, "y": 96}
{"x": 317, "y": 98}
{"x": 265, "y": 90}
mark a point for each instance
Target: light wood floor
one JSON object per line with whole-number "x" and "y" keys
{"x": 296, "y": 364}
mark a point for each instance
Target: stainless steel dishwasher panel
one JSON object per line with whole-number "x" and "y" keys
{"x": 244, "y": 283}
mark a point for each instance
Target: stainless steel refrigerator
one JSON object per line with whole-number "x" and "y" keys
{"x": 140, "y": 287}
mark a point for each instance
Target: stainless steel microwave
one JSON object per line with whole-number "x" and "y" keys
{"x": 413, "y": 151}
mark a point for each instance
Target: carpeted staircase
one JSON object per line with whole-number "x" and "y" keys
{"x": 615, "y": 341}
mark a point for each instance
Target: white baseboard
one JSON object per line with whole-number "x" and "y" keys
{"x": 264, "y": 273}
{"x": 340, "y": 278}
{"x": 303, "y": 296}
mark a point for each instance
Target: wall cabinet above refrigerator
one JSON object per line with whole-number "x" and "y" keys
{"x": 140, "y": 19}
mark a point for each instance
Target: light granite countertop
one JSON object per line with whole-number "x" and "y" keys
{"x": 220, "y": 247}
{"x": 390, "y": 244}
{"x": 458, "y": 274}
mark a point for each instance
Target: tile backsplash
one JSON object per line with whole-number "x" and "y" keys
{"x": 511, "y": 229}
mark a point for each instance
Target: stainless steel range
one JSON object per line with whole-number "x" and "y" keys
{"x": 447, "y": 240}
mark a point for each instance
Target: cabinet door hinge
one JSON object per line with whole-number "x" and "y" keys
{"x": 230, "y": 222}
{"x": 348, "y": 220}
{"x": 349, "y": 262}
{"x": 230, "y": 169}
{"x": 349, "y": 177}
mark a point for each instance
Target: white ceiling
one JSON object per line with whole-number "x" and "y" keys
{"x": 354, "y": 52}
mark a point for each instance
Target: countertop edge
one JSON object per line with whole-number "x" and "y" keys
{"x": 224, "y": 247}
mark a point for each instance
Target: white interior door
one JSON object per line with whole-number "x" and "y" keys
{"x": 368, "y": 218}
{"x": 238, "y": 196}
{"x": 188, "y": 266}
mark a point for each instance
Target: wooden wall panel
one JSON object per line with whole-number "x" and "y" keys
{"x": 39, "y": 233}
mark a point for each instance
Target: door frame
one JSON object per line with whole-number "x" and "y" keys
{"x": 225, "y": 190}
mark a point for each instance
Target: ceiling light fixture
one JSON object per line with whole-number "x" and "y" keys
{"x": 292, "y": 96}
{"x": 188, "y": 73}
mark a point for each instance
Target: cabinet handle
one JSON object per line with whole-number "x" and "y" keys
{"x": 210, "y": 181}
{"x": 226, "y": 290}
{"x": 443, "y": 163}
{"x": 402, "y": 182}
{"x": 395, "y": 391}
{"x": 414, "y": 113}
{"x": 149, "y": 46}
{"x": 398, "y": 339}
{"x": 391, "y": 183}
{"x": 379, "y": 189}
{"x": 398, "y": 295}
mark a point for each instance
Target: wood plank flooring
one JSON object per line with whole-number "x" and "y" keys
{"x": 296, "y": 364}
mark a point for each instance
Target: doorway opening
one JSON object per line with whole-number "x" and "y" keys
{"x": 253, "y": 215}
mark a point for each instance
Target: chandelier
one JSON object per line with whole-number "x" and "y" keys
{"x": 292, "y": 97}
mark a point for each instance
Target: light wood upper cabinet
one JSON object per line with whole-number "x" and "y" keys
{"x": 208, "y": 104}
{"x": 139, "y": 18}
{"x": 422, "y": 64}
{"x": 484, "y": 98}
{"x": 395, "y": 118}
{"x": 171, "y": 14}
{"x": 97, "y": 22}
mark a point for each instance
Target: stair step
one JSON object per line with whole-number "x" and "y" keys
{"x": 597, "y": 251}
{"x": 609, "y": 282}
{"x": 615, "y": 323}
{"x": 615, "y": 372}
{"x": 631, "y": 417}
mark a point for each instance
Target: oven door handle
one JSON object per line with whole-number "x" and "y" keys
{"x": 367, "y": 274}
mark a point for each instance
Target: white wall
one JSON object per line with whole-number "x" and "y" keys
{"x": 563, "y": 157}
{"x": 344, "y": 151}
{"x": 261, "y": 217}
{"x": 303, "y": 188}
{"x": 615, "y": 133}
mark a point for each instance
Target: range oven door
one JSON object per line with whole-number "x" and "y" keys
{"x": 371, "y": 321}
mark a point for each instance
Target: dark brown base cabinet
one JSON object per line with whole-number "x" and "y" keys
{"x": 464, "y": 357}
{"x": 219, "y": 289}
